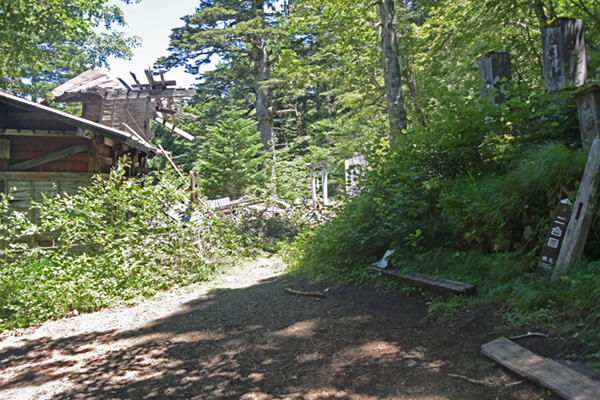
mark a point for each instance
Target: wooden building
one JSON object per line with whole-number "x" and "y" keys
{"x": 44, "y": 150}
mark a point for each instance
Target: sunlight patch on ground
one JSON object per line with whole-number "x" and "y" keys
{"x": 309, "y": 357}
{"x": 375, "y": 349}
{"x": 255, "y": 396}
{"x": 302, "y": 329}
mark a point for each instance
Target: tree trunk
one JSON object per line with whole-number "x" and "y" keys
{"x": 392, "y": 70}
{"x": 264, "y": 115}
{"x": 539, "y": 9}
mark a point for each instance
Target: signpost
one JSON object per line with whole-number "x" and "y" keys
{"x": 555, "y": 237}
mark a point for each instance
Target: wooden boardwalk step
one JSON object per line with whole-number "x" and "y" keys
{"x": 564, "y": 381}
{"x": 437, "y": 285}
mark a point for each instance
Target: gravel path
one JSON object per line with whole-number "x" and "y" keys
{"x": 243, "y": 337}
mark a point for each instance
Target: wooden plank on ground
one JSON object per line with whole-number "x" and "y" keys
{"x": 437, "y": 285}
{"x": 564, "y": 381}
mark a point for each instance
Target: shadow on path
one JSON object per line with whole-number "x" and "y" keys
{"x": 261, "y": 343}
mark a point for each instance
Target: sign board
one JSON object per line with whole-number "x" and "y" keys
{"x": 555, "y": 237}
{"x": 353, "y": 170}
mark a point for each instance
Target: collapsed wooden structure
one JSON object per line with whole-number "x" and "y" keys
{"x": 112, "y": 102}
{"x": 47, "y": 151}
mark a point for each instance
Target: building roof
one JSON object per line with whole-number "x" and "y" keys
{"x": 87, "y": 82}
{"x": 129, "y": 138}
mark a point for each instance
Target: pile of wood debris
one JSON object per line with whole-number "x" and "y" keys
{"x": 304, "y": 212}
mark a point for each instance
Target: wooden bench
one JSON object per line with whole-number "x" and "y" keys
{"x": 436, "y": 285}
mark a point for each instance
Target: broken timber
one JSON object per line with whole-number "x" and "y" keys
{"x": 436, "y": 285}
{"x": 565, "y": 382}
{"x": 581, "y": 215}
{"x": 301, "y": 293}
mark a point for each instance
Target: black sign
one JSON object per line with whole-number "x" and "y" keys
{"x": 555, "y": 237}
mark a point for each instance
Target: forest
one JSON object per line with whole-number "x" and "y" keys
{"x": 462, "y": 178}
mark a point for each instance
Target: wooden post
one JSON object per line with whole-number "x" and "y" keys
{"x": 555, "y": 237}
{"x": 314, "y": 174}
{"x": 324, "y": 172}
{"x": 313, "y": 184}
{"x": 581, "y": 216}
{"x": 194, "y": 186}
{"x": 563, "y": 50}
{"x": 588, "y": 106}
{"x": 494, "y": 69}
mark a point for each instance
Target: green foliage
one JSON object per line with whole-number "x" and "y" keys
{"x": 468, "y": 197}
{"x": 115, "y": 241}
{"x": 291, "y": 180}
{"x": 229, "y": 162}
{"x": 228, "y": 28}
{"x": 492, "y": 212}
{"x": 45, "y": 43}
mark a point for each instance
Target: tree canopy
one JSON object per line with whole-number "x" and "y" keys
{"x": 45, "y": 43}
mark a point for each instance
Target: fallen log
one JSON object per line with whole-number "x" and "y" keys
{"x": 300, "y": 293}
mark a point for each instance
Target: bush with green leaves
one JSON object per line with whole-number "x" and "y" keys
{"x": 512, "y": 211}
{"x": 469, "y": 197}
{"x": 115, "y": 241}
{"x": 475, "y": 176}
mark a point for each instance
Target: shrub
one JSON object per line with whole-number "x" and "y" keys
{"x": 114, "y": 241}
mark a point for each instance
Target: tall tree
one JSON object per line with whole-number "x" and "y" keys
{"x": 46, "y": 42}
{"x": 392, "y": 69}
{"x": 229, "y": 158}
{"x": 233, "y": 30}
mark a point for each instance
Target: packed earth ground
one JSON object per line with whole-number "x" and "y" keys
{"x": 244, "y": 337}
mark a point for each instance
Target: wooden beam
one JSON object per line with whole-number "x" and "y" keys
{"x": 57, "y": 155}
{"x": 151, "y": 80}
{"x": 146, "y": 86}
{"x": 47, "y": 176}
{"x": 85, "y": 133}
{"x": 163, "y": 83}
{"x": 173, "y": 128}
{"x": 135, "y": 79}
{"x": 437, "y": 285}
{"x": 163, "y": 110}
{"x": 169, "y": 92}
{"x": 29, "y": 132}
{"x": 125, "y": 84}
{"x": 171, "y": 161}
{"x": 137, "y": 134}
{"x": 319, "y": 164}
{"x": 105, "y": 160}
{"x": 565, "y": 382}
{"x": 92, "y": 153}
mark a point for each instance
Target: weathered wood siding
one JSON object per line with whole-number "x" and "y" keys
{"x": 134, "y": 111}
{"x": 23, "y": 192}
{"x": 29, "y": 147}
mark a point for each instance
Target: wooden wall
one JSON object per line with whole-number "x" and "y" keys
{"x": 23, "y": 192}
{"x": 122, "y": 110}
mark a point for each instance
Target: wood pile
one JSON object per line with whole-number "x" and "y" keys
{"x": 304, "y": 212}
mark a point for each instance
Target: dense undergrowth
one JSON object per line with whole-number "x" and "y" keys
{"x": 470, "y": 197}
{"x": 117, "y": 241}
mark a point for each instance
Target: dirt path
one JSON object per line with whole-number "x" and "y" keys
{"x": 246, "y": 338}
